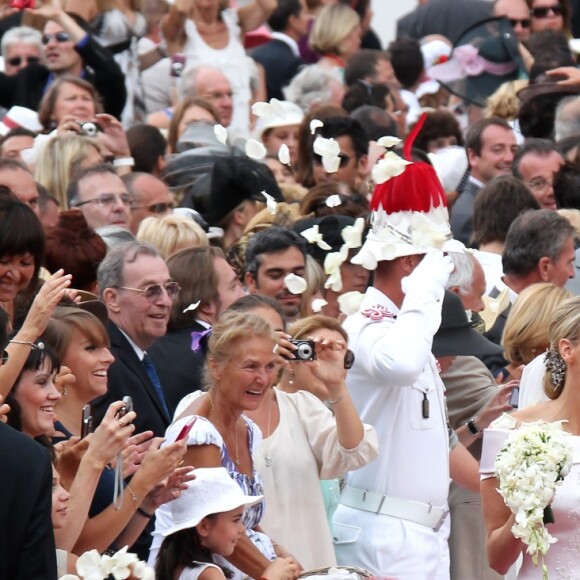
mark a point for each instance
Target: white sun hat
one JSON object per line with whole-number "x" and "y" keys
{"x": 212, "y": 491}
{"x": 293, "y": 115}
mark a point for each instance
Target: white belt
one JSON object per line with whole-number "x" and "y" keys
{"x": 414, "y": 511}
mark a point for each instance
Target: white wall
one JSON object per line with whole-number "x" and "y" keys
{"x": 387, "y": 12}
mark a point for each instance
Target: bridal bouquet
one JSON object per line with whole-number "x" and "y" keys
{"x": 533, "y": 462}
{"x": 92, "y": 566}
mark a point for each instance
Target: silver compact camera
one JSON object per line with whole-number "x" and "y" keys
{"x": 305, "y": 349}
{"x": 90, "y": 129}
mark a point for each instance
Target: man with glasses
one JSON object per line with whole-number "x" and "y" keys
{"x": 21, "y": 46}
{"x": 150, "y": 197}
{"x": 101, "y": 196}
{"x": 536, "y": 163}
{"x": 518, "y": 13}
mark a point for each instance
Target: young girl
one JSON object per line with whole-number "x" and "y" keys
{"x": 207, "y": 521}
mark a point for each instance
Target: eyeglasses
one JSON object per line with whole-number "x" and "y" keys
{"x": 544, "y": 11}
{"x": 4, "y": 356}
{"x": 162, "y": 207}
{"x": 58, "y": 36}
{"x": 155, "y": 291}
{"x": 539, "y": 183}
{"x": 348, "y": 359}
{"x": 344, "y": 159}
{"x": 17, "y": 60}
{"x": 523, "y": 22}
{"x": 106, "y": 200}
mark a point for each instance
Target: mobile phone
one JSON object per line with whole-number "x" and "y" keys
{"x": 86, "y": 421}
{"x": 186, "y": 429}
{"x": 515, "y": 397}
{"x": 127, "y": 408}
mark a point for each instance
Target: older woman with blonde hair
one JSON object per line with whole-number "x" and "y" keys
{"x": 525, "y": 337}
{"x": 171, "y": 233}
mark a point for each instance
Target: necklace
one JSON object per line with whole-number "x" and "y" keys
{"x": 268, "y": 458}
{"x": 236, "y": 460}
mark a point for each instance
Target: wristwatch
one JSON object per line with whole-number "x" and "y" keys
{"x": 473, "y": 428}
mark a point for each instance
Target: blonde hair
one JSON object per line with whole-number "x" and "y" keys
{"x": 565, "y": 324}
{"x": 573, "y": 216}
{"x": 332, "y": 25}
{"x": 171, "y": 233}
{"x": 504, "y": 103}
{"x": 58, "y": 162}
{"x": 314, "y": 275}
{"x": 306, "y": 326}
{"x": 526, "y": 330}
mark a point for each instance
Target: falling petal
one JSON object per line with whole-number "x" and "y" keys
{"x": 352, "y": 235}
{"x": 314, "y": 236}
{"x": 278, "y": 108}
{"x": 389, "y": 141}
{"x": 271, "y": 203}
{"x": 262, "y": 109}
{"x": 295, "y": 284}
{"x": 221, "y": 133}
{"x": 255, "y": 149}
{"x": 284, "y": 154}
{"x": 192, "y": 306}
{"x": 333, "y": 200}
{"x": 315, "y": 124}
{"x": 350, "y": 302}
{"x": 328, "y": 147}
{"x": 330, "y": 163}
{"x": 389, "y": 166}
{"x": 318, "y": 304}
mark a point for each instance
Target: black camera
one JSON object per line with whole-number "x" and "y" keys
{"x": 90, "y": 129}
{"x": 305, "y": 349}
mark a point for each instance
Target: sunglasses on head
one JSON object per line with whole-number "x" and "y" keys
{"x": 344, "y": 159}
{"x": 17, "y": 60}
{"x": 544, "y": 11}
{"x": 58, "y": 36}
{"x": 523, "y": 22}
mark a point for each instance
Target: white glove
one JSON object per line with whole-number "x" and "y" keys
{"x": 431, "y": 273}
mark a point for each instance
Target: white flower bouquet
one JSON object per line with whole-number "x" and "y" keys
{"x": 531, "y": 465}
{"x": 121, "y": 565}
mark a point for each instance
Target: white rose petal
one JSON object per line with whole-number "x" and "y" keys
{"x": 323, "y": 146}
{"x": 333, "y": 200}
{"x": 295, "y": 284}
{"x": 330, "y": 163}
{"x": 332, "y": 263}
{"x": 192, "y": 306}
{"x": 349, "y": 303}
{"x": 284, "y": 154}
{"x": 314, "y": 236}
{"x": 388, "y": 167}
{"x": 318, "y": 304}
{"x": 389, "y": 141}
{"x": 352, "y": 235}
{"x": 315, "y": 124}
{"x": 271, "y": 203}
{"x": 262, "y": 109}
{"x": 255, "y": 149}
{"x": 221, "y": 133}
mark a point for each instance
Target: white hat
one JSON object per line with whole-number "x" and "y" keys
{"x": 434, "y": 52}
{"x": 20, "y": 117}
{"x": 450, "y": 164}
{"x": 212, "y": 491}
{"x": 294, "y": 115}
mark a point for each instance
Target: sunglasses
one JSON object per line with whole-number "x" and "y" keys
{"x": 105, "y": 200}
{"x": 162, "y": 207}
{"x": 155, "y": 291}
{"x": 58, "y": 36}
{"x": 523, "y": 22}
{"x": 544, "y": 11}
{"x": 17, "y": 60}
{"x": 344, "y": 159}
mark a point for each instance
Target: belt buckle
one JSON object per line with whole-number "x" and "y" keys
{"x": 443, "y": 517}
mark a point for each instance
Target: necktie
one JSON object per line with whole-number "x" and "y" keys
{"x": 150, "y": 369}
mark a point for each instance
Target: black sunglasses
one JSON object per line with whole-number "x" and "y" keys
{"x": 58, "y": 36}
{"x": 17, "y": 60}
{"x": 524, "y": 22}
{"x": 544, "y": 11}
{"x": 162, "y": 207}
{"x": 344, "y": 159}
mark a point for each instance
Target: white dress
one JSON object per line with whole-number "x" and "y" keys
{"x": 302, "y": 450}
{"x": 563, "y": 557}
{"x": 231, "y": 60}
{"x": 195, "y": 573}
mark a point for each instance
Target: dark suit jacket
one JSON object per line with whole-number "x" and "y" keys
{"x": 462, "y": 214}
{"x": 127, "y": 376}
{"x": 179, "y": 368}
{"x": 27, "y": 550}
{"x": 447, "y": 17}
{"x": 496, "y": 362}
{"x": 280, "y": 65}
{"x": 29, "y": 85}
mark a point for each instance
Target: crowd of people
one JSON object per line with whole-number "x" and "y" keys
{"x": 273, "y": 295}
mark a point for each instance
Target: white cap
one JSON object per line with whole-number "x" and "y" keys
{"x": 20, "y": 117}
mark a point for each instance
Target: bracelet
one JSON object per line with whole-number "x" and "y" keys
{"x": 145, "y": 514}
{"x": 134, "y": 498}
{"x": 124, "y": 162}
{"x": 33, "y": 345}
{"x": 346, "y": 393}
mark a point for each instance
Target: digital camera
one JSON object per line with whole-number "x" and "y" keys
{"x": 305, "y": 349}
{"x": 90, "y": 129}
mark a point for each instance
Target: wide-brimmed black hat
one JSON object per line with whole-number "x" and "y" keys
{"x": 455, "y": 336}
{"x": 485, "y": 56}
{"x": 235, "y": 179}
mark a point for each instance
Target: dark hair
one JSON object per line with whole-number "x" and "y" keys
{"x": 438, "y": 124}
{"x": 314, "y": 201}
{"x": 567, "y": 186}
{"x": 474, "y": 135}
{"x": 566, "y": 13}
{"x": 271, "y": 241}
{"x": 278, "y": 20}
{"x": 147, "y": 145}
{"x": 21, "y": 233}
{"x": 407, "y": 60}
{"x": 537, "y": 115}
{"x": 375, "y": 121}
{"x": 100, "y": 169}
{"x": 253, "y": 302}
{"x": 540, "y": 147}
{"x": 346, "y": 126}
{"x": 534, "y": 235}
{"x": 4, "y": 323}
{"x": 16, "y": 132}
{"x": 75, "y": 247}
{"x": 497, "y": 205}
{"x": 364, "y": 93}
{"x": 547, "y": 41}
{"x": 362, "y": 65}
